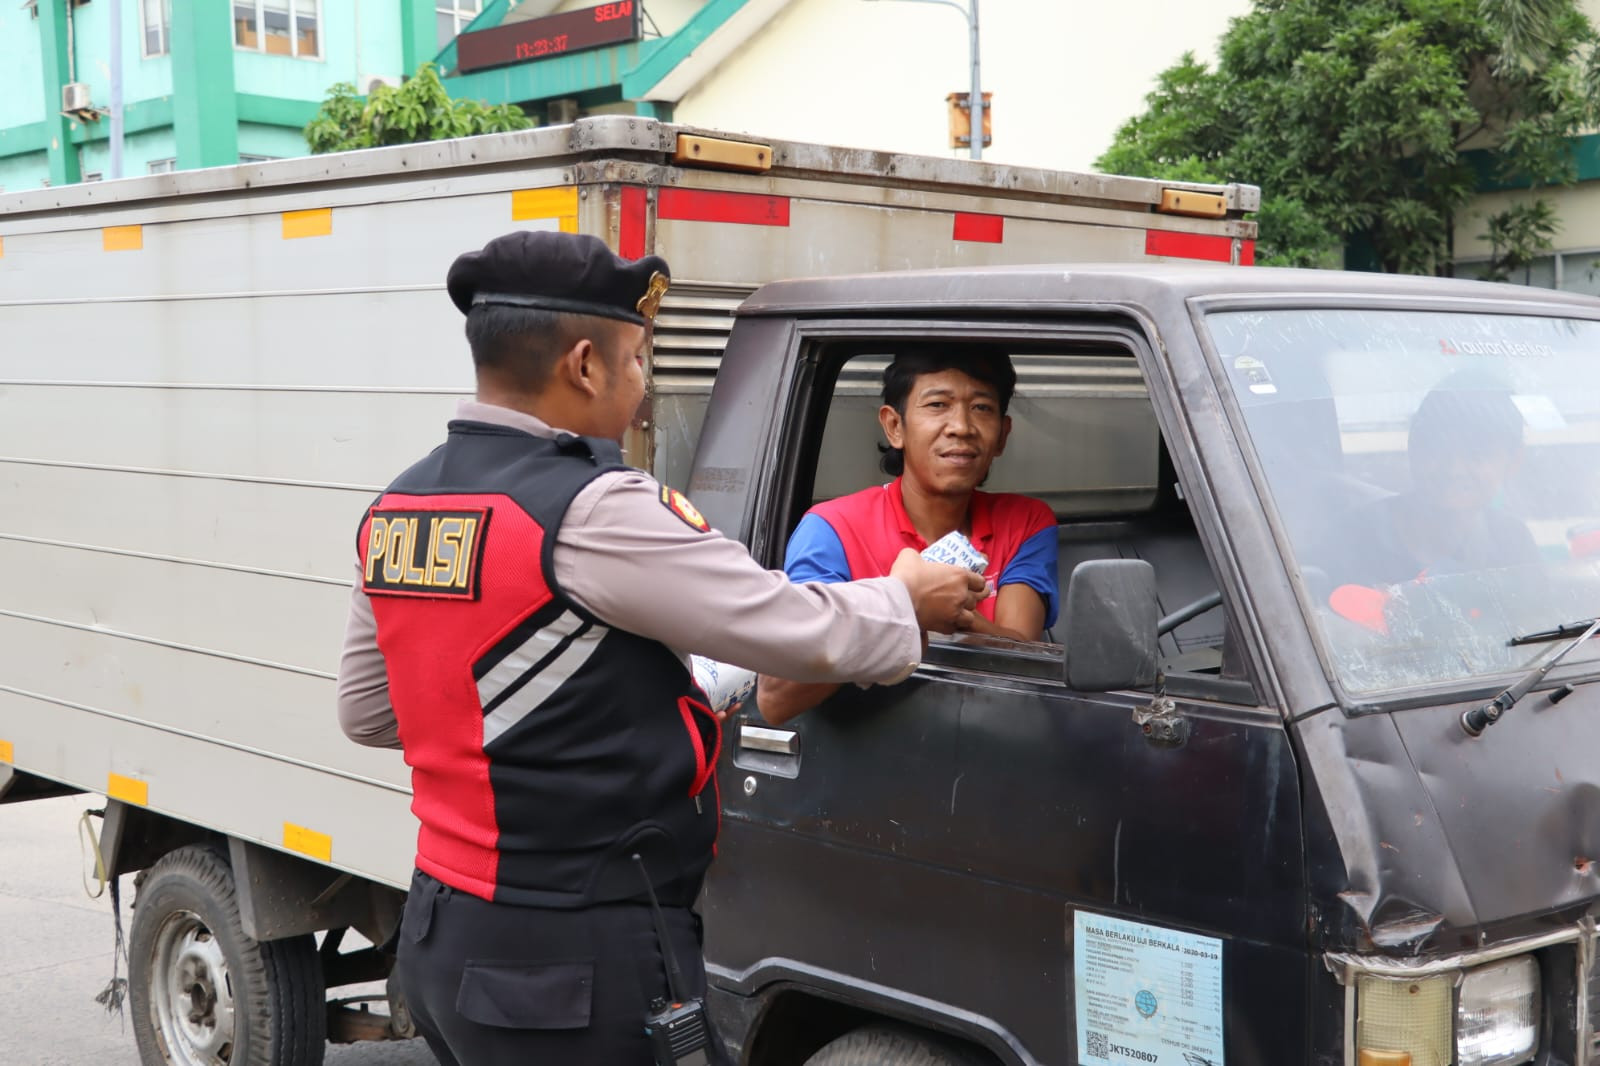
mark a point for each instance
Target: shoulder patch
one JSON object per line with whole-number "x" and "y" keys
{"x": 679, "y": 504}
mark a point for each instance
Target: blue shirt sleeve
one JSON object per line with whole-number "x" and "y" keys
{"x": 816, "y": 554}
{"x": 1034, "y": 565}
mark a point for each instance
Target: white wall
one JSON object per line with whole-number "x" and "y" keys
{"x": 874, "y": 73}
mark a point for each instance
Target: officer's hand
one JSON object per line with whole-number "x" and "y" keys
{"x": 943, "y": 595}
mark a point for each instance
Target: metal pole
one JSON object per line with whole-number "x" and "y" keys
{"x": 116, "y": 88}
{"x": 977, "y": 85}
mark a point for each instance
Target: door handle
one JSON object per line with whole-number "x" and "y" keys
{"x": 777, "y": 741}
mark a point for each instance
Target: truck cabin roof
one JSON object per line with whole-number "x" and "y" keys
{"x": 1090, "y": 285}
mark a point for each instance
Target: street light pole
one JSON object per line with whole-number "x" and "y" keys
{"x": 115, "y": 169}
{"x": 975, "y": 100}
{"x": 975, "y": 97}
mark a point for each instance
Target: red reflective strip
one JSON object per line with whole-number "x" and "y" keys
{"x": 1192, "y": 246}
{"x": 1247, "y": 253}
{"x": 990, "y": 229}
{"x": 747, "y": 209}
{"x": 630, "y": 227}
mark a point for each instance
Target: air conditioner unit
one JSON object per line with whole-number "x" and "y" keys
{"x": 370, "y": 82}
{"x": 75, "y": 98}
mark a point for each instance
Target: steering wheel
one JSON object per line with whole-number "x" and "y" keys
{"x": 1194, "y": 609}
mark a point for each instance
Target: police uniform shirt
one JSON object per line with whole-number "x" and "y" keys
{"x": 637, "y": 565}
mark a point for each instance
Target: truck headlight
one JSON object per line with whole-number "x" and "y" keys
{"x": 1497, "y": 1016}
{"x": 1404, "y": 1022}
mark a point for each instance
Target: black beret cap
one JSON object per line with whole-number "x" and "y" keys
{"x": 572, "y": 272}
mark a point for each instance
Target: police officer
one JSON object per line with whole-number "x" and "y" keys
{"x": 523, "y": 610}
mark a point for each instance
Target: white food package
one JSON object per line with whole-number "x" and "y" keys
{"x": 725, "y": 685}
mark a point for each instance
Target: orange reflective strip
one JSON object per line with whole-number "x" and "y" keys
{"x": 2, "y": 247}
{"x": 122, "y": 238}
{"x": 318, "y": 222}
{"x": 128, "y": 790}
{"x": 6, "y": 753}
{"x": 559, "y": 203}
{"x": 308, "y": 841}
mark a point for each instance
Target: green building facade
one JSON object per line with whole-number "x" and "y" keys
{"x": 217, "y": 82}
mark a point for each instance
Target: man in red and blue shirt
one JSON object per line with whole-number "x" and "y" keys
{"x": 944, "y": 417}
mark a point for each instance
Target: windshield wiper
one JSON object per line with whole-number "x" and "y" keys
{"x": 1544, "y": 636}
{"x": 1478, "y": 719}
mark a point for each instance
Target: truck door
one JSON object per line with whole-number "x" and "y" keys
{"x": 980, "y": 850}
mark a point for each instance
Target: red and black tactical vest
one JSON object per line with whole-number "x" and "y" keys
{"x": 546, "y": 748}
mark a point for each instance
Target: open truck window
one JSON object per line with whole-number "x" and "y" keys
{"x": 1084, "y": 441}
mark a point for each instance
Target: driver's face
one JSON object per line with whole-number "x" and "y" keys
{"x": 1462, "y": 479}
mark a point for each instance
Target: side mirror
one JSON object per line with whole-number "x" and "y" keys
{"x": 1111, "y": 620}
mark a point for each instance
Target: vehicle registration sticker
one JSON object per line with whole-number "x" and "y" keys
{"x": 1146, "y": 994}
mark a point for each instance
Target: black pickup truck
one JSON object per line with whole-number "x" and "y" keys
{"x": 1268, "y": 792}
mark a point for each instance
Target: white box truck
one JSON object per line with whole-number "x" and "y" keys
{"x": 205, "y": 377}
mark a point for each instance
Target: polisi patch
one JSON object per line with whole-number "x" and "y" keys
{"x": 679, "y": 504}
{"x": 412, "y": 552}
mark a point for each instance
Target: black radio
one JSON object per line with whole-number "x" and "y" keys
{"x": 679, "y": 1035}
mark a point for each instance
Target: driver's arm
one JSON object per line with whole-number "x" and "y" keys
{"x": 1019, "y": 613}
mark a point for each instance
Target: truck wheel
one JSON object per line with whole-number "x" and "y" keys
{"x": 205, "y": 994}
{"x": 885, "y": 1046}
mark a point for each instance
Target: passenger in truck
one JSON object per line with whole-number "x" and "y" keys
{"x": 1464, "y": 443}
{"x": 944, "y": 424}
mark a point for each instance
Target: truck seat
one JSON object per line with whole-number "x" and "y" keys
{"x": 1183, "y": 575}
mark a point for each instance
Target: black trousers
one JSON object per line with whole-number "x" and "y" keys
{"x": 492, "y": 983}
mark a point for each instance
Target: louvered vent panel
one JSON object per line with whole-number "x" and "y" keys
{"x": 691, "y": 330}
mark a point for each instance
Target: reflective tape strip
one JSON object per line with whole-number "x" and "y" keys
{"x": 128, "y": 790}
{"x": 2, "y": 247}
{"x": 560, "y": 203}
{"x": 308, "y": 841}
{"x": 743, "y": 208}
{"x": 631, "y": 223}
{"x": 506, "y": 672}
{"x": 6, "y": 752}
{"x": 122, "y": 238}
{"x": 525, "y": 700}
{"x": 1206, "y": 246}
{"x": 986, "y": 229}
{"x": 317, "y": 222}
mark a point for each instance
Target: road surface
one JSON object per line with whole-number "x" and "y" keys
{"x": 56, "y": 952}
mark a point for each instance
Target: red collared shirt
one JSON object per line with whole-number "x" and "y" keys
{"x": 859, "y": 536}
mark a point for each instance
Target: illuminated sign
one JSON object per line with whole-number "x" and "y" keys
{"x": 552, "y": 35}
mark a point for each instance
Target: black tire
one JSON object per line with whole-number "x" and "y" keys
{"x": 202, "y": 993}
{"x": 887, "y": 1046}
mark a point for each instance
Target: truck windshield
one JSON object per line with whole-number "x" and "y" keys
{"x": 1437, "y": 476}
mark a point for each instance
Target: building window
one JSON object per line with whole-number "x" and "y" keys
{"x": 157, "y": 19}
{"x": 453, "y": 17}
{"x": 278, "y": 27}
{"x": 161, "y": 166}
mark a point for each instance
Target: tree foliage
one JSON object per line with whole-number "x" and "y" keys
{"x": 1376, "y": 121}
{"x": 419, "y": 110}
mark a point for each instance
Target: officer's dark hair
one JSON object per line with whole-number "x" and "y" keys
{"x": 992, "y": 368}
{"x": 524, "y": 343}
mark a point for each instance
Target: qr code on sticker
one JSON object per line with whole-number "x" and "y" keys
{"x": 1096, "y": 1044}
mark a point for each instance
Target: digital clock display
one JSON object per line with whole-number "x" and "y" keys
{"x": 552, "y": 35}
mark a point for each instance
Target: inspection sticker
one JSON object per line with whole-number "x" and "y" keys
{"x": 1146, "y": 994}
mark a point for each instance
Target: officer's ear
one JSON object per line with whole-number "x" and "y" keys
{"x": 580, "y": 367}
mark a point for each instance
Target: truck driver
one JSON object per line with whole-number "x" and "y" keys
{"x": 945, "y": 422}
